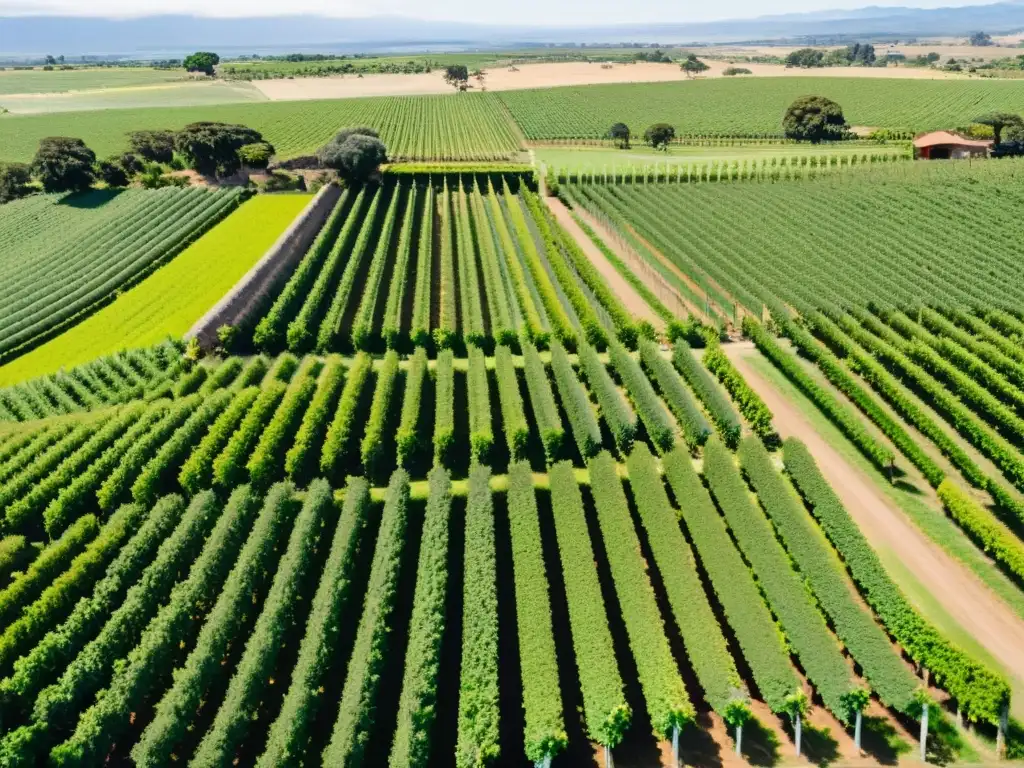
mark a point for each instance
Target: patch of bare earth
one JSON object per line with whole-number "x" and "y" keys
{"x": 631, "y": 300}
{"x": 963, "y": 595}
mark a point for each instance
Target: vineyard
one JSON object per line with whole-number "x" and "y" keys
{"x": 64, "y": 256}
{"x": 468, "y": 126}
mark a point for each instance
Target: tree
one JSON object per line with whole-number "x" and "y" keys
{"x": 457, "y": 76}
{"x": 50, "y": 61}
{"x": 212, "y": 148}
{"x": 155, "y": 146}
{"x": 806, "y": 58}
{"x": 132, "y": 163}
{"x": 980, "y": 39}
{"x": 693, "y": 66}
{"x": 659, "y": 135}
{"x": 112, "y": 172}
{"x": 815, "y": 119}
{"x": 998, "y": 121}
{"x": 202, "y": 61}
{"x": 14, "y": 180}
{"x": 356, "y": 157}
{"x": 621, "y": 134}
{"x": 64, "y": 165}
{"x": 256, "y": 155}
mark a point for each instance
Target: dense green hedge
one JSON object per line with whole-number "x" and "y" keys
{"x": 197, "y": 471}
{"x": 444, "y": 413}
{"x": 617, "y": 413}
{"x": 721, "y": 411}
{"x": 370, "y": 290}
{"x": 424, "y": 273}
{"x": 381, "y": 409}
{"x": 545, "y": 411}
{"x": 298, "y": 462}
{"x": 747, "y": 400}
{"x": 446, "y": 332}
{"x": 605, "y": 710}
{"x": 979, "y": 691}
{"x": 668, "y": 703}
{"x": 410, "y": 439}
{"x": 481, "y": 434}
{"x": 658, "y": 421}
{"x": 695, "y": 427}
{"x": 533, "y": 325}
{"x": 229, "y": 468}
{"x": 400, "y": 278}
{"x": 994, "y": 537}
{"x": 513, "y": 414}
{"x": 582, "y": 419}
{"x": 340, "y": 434}
{"x": 267, "y": 461}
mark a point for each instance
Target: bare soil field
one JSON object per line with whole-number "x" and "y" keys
{"x": 550, "y": 76}
{"x": 960, "y": 593}
{"x": 1007, "y": 46}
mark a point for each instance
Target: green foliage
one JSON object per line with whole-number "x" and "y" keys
{"x": 668, "y": 704}
{"x": 617, "y": 413}
{"x": 471, "y": 311}
{"x": 478, "y": 740}
{"x": 289, "y": 736}
{"x": 660, "y": 135}
{"x": 815, "y": 119}
{"x": 856, "y": 628}
{"x": 256, "y": 155}
{"x": 576, "y": 402}
{"x": 444, "y": 414}
{"x": 545, "y": 411}
{"x": 356, "y": 158}
{"x": 394, "y": 309}
{"x": 501, "y": 324}
{"x": 747, "y": 400}
{"x": 513, "y": 414}
{"x": 362, "y": 324}
{"x": 657, "y": 420}
{"x": 605, "y": 710}
{"x": 979, "y": 691}
{"x": 201, "y": 61}
{"x": 267, "y": 462}
{"x": 722, "y": 413}
{"x": 695, "y": 427}
{"x": 300, "y": 457}
{"x": 271, "y": 635}
{"x": 197, "y": 471}
{"x": 64, "y": 165}
{"x": 340, "y": 433}
{"x": 705, "y": 644}
{"x": 410, "y": 438}
{"x": 230, "y": 618}
{"x": 545, "y": 733}
{"x": 14, "y": 553}
{"x": 417, "y": 707}
{"x": 424, "y": 272}
{"x": 446, "y": 331}
{"x": 481, "y": 435}
{"x": 993, "y": 537}
{"x": 14, "y": 181}
{"x": 212, "y": 149}
{"x": 372, "y": 448}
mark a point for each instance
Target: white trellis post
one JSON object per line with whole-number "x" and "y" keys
{"x": 608, "y": 762}
{"x": 739, "y": 739}
{"x": 924, "y": 732}
{"x": 1004, "y": 725}
{"x": 798, "y": 727}
{"x": 856, "y": 729}
{"x": 545, "y": 763}
{"x": 675, "y": 746}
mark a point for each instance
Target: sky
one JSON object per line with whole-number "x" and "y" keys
{"x": 569, "y": 12}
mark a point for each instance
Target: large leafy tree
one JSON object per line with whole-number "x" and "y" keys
{"x": 815, "y": 119}
{"x": 997, "y": 121}
{"x": 660, "y": 135}
{"x": 212, "y": 148}
{"x": 14, "y": 179}
{"x": 693, "y": 66}
{"x": 156, "y": 146}
{"x": 355, "y": 153}
{"x": 202, "y": 61}
{"x": 64, "y": 165}
{"x": 457, "y": 76}
{"x": 621, "y": 134}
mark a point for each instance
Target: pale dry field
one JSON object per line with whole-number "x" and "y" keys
{"x": 549, "y": 76}
{"x": 1008, "y": 46}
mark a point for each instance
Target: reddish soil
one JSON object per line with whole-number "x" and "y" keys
{"x": 963, "y": 595}
{"x": 631, "y": 300}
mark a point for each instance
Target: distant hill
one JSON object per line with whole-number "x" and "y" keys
{"x": 171, "y": 35}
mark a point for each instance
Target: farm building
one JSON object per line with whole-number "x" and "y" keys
{"x": 943, "y": 145}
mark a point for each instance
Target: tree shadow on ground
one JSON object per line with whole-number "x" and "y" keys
{"x": 760, "y": 744}
{"x": 882, "y": 741}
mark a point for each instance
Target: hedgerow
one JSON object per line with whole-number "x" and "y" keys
{"x": 267, "y": 463}
{"x": 372, "y": 448}
{"x": 660, "y": 426}
{"x": 446, "y": 332}
{"x": 356, "y": 713}
{"x": 60, "y": 646}
{"x": 764, "y": 647}
{"x": 157, "y": 473}
{"x": 59, "y": 597}
{"x": 722, "y": 413}
{"x": 229, "y": 468}
{"x": 980, "y": 692}
{"x": 856, "y": 628}
{"x": 424, "y": 273}
{"x": 269, "y": 334}
{"x": 470, "y": 304}
{"x": 253, "y": 373}
{"x": 747, "y": 400}
{"x": 362, "y": 323}
{"x": 300, "y": 457}
{"x": 533, "y": 324}
{"x": 605, "y": 709}
{"x": 340, "y": 433}
{"x": 444, "y": 417}
{"x": 223, "y": 375}
{"x": 545, "y": 411}
{"x": 191, "y": 382}
{"x": 576, "y": 402}
{"x": 202, "y": 676}
{"x": 981, "y": 346}
{"x": 14, "y": 553}
{"x": 481, "y": 436}
{"x": 145, "y": 668}
{"x": 197, "y": 472}
{"x": 478, "y": 741}
{"x": 695, "y": 427}
{"x": 394, "y": 309}
{"x": 21, "y": 452}
{"x": 54, "y": 560}
{"x": 417, "y": 707}
{"x": 513, "y": 414}
{"x": 993, "y": 537}
{"x": 668, "y": 703}
{"x": 409, "y": 438}
{"x": 502, "y": 327}
{"x": 545, "y": 734}
{"x": 618, "y": 414}
{"x": 271, "y": 636}
{"x": 705, "y": 643}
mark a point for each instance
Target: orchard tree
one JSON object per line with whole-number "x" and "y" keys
{"x": 457, "y": 76}
{"x": 64, "y": 165}
{"x": 256, "y": 155}
{"x": 997, "y": 121}
{"x": 660, "y": 135}
{"x": 212, "y": 148}
{"x": 14, "y": 180}
{"x": 112, "y": 172}
{"x": 621, "y": 134}
{"x": 815, "y": 119}
{"x": 354, "y": 155}
{"x": 155, "y": 146}
{"x": 693, "y": 66}
{"x": 202, "y": 61}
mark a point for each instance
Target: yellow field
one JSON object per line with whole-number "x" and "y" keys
{"x": 174, "y": 297}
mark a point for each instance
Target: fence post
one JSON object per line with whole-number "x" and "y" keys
{"x": 1004, "y": 726}
{"x": 799, "y": 733}
{"x": 856, "y": 729}
{"x": 675, "y": 746}
{"x": 739, "y": 739}
{"x": 924, "y": 732}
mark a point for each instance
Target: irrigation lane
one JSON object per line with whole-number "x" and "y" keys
{"x": 976, "y": 608}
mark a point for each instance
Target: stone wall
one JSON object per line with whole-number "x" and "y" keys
{"x": 255, "y": 290}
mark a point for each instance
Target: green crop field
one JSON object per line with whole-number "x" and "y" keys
{"x": 168, "y": 302}
{"x": 63, "y": 255}
{"x": 58, "y": 81}
{"x": 180, "y": 94}
{"x": 755, "y": 107}
{"x": 452, "y": 127}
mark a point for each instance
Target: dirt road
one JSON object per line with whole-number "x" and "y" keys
{"x": 626, "y": 293}
{"x": 961, "y": 594}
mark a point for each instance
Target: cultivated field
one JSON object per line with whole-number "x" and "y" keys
{"x": 38, "y": 81}
{"x": 182, "y": 94}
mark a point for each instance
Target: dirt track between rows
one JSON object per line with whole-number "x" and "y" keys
{"x": 993, "y": 624}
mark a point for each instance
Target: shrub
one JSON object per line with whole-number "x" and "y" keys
{"x": 197, "y": 472}
{"x": 229, "y": 467}
{"x": 267, "y": 462}
{"x": 315, "y": 422}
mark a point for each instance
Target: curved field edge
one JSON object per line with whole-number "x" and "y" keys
{"x": 174, "y": 297}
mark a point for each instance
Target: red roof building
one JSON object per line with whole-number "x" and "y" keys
{"x": 943, "y": 145}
